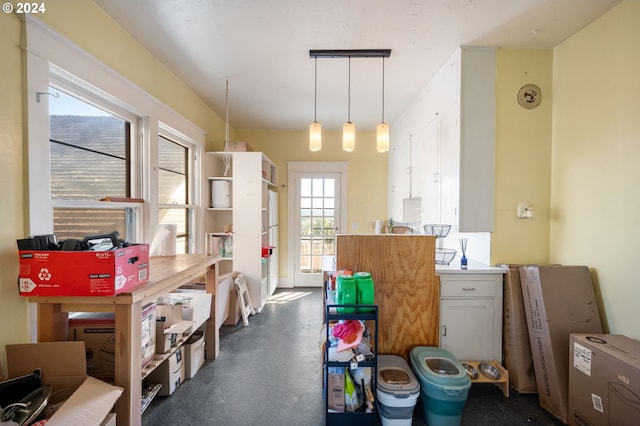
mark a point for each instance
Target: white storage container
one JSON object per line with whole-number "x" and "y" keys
{"x": 220, "y": 193}
{"x": 397, "y": 391}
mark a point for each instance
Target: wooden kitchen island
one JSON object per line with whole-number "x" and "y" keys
{"x": 406, "y": 287}
{"x": 166, "y": 274}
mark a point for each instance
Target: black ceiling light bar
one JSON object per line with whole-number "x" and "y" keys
{"x": 350, "y": 53}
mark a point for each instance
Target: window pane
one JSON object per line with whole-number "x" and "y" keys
{"x": 172, "y": 173}
{"x": 80, "y": 223}
{"x": 89, "y": 150}
{"x": 179, "y": 217}
{"x": 317, "y": 187}
{"x": 305, "y": 187}
{"x": 83, "y": 175}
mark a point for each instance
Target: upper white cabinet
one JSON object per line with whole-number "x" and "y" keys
{"x": 453, "y": 121}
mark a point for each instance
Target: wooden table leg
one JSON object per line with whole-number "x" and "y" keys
{"x": 212, "y": 337}
{"x": 128, "y": 363}
{"x": 53, "y": 324}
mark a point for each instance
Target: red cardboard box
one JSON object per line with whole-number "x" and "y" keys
{"x": 83, "y": 273}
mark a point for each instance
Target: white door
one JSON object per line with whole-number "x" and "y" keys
{"x": 316, "y": 222}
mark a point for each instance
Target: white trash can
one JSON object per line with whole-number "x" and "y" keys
{"x": 397, "y": 391}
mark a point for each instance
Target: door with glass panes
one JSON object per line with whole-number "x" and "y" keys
{"x": 317, "y": 220}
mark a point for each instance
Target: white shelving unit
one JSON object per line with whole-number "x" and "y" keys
{"x": 245, "y": 221}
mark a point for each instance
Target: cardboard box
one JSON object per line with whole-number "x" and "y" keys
{"x": 604, "y": 380}
{"x": 83, "y": 273}
{"x": 170, "y": 373}
{"x": 193, "y": 354}
{"x": 63, "y": 367}
{"x": 63, "y": 364}
{"x": 558, "y": 301}
{"x": 148, "y": 336}
{"x": 515, "y": 336}
{"x": 335, "y": 382}
{"x": 89, "y": 405}
{"x": 231, "y": 146}
{"x": 196, "y": 306}
{"x": 169, "y": 326}
{"x": 97, "y": 331}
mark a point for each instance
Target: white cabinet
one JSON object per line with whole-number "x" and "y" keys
{"x": 246, "y": 221}
{"x": 454, "y": 118}
{"x": 471, "y": 313}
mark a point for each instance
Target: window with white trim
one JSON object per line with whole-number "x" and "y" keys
{"x": 175, "y": 192}
{"x": 108, "y": 151}
{"x": 91, "y": 143}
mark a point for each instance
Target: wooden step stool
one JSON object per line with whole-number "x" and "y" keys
{"x": 244, "y": 299}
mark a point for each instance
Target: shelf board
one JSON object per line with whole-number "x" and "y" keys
{"x": 220, "y": 209}
{"x": 148, "y": 397}
{"x": 229, "y": 178}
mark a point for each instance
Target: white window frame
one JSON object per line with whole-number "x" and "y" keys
{"x": 194, "y": 188}
{"x": 50, "y": 56}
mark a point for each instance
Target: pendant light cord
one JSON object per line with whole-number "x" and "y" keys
{"x": 349, "y": 94}
{"x": 383, "y": 89}
{"x": 227, "y": 156}
{"x": 315, "y": 91}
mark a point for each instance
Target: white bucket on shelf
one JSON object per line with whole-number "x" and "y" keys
{"x": 220, "y": 194}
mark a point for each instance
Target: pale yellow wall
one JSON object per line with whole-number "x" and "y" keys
{"x": 523, "y": 158}
{"x": 595, "y": 190}
{"x": 13, "y": 310}
{"x": 367, "y": 174}
{"x": 86, "y": 25}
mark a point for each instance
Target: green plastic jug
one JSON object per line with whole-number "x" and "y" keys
{"x": 346, "y": 293}
{"x": 364, "y": 289}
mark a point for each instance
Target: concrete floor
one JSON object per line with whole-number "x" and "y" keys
{"x": 270, "y": 373}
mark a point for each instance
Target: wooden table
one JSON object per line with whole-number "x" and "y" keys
{"x": 166, "y": 274}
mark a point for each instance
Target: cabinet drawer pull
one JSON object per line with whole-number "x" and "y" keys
{"x": 469, "y": 288}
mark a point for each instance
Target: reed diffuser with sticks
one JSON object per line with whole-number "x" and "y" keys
{"x": 463, "y": 246}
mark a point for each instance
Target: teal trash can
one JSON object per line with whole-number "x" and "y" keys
{"x": 444, "y": 385}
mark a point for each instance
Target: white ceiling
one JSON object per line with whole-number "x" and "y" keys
{"x": 262, "y": 48}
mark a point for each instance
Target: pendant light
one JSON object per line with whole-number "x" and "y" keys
{"x": 382, "y": 131}
{"x": 315, "y": 129}
{"x": 349, "y": 129}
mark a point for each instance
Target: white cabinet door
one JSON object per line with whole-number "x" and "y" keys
{"x": 431, "y": 172}
{"x": 449, "y": 166}
{"x": 467, "y": 328}
{"x": 471, "y": 315}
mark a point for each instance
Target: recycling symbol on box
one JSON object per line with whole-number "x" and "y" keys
{"x": 44, "y": 274}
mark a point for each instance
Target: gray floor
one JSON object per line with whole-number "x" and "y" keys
{"x": 270, "y": 374}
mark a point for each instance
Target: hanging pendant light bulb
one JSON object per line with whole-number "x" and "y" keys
{"x": 315, "y": 129}
{"x": 382, "y": 131}
{"x": 349, "y": 129}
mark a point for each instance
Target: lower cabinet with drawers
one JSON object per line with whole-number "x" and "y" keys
{"x": 471, "y": 312}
